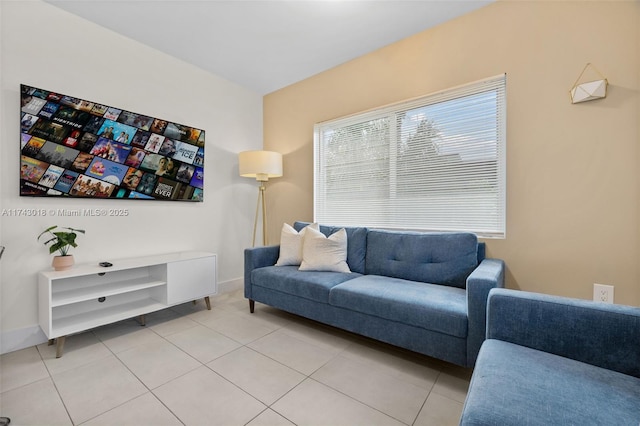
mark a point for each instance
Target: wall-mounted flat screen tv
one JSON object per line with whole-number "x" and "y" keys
{"x": 71, "y": 147}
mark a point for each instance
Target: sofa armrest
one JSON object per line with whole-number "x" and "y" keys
{"x": 489, "y": 274}
{"x": 599, "y": 334}
{"x": 258, "y": 257}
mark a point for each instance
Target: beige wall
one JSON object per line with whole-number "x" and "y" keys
{"x": 573, "y": 175}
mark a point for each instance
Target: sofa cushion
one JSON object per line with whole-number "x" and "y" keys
{"x": 356, "y": 243}
{"x": 308, "y": 284}
{"x": 432, "y": 307}
{"x": 437, "y": 258}
{"x": 291, "y": 244}
{"x": 516, "y": 385}
{"x": 322, "y": 253}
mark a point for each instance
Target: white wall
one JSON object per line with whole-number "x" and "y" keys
{"x": 48, "y": 48}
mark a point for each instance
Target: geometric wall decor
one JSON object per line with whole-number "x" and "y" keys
{"x": 590, "y": 90}
{"x": 70, "y": 147}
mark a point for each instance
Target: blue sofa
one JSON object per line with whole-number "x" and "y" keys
{"x": 425, "y": 292}
{"x": 551, "y": 360}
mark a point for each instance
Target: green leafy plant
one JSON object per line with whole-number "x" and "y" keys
{"x": 60, "y": 241}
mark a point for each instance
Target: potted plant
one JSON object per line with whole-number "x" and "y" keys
{"x": 60, "y": 241}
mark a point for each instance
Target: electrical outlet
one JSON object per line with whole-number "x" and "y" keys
{"x": 603, "y": 293}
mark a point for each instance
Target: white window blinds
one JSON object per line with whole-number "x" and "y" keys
{"x": 432, "y": 163}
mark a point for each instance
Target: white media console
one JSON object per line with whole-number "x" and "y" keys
{"x": 88, "y": 296}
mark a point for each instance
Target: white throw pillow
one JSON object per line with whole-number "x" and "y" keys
{"x": 320, "y": 253}
{"x": 291, "y": 244}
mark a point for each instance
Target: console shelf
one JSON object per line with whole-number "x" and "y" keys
{"x": 87, "y": 320}
{"x": 75, "y": 295}
{"x": 90, "y": 296}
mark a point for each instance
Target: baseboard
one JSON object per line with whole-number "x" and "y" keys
{"x": 230, "y": 286}
{"x": 14, "y": 340}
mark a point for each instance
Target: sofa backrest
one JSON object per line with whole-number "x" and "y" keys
{"x": 356, "y": 243}
{"x": 430, "y": 257}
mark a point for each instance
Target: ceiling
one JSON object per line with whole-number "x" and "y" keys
{"x": 267, "y": 45}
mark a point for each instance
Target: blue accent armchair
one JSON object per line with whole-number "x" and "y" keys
{"x": 551, "y": 360}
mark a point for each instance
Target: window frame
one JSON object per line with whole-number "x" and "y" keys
{"x": 496, "y": 83}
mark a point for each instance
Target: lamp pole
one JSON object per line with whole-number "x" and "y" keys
{"x": 261, "y": 200}
{"x": 260, "y": 165}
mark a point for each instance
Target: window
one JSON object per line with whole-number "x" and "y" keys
{"x": 432, "y": 163}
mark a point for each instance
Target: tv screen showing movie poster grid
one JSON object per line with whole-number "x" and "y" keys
{"x": 71, "y": 147}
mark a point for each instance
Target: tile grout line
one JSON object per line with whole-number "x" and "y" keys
{"x": 424, "y": 403}
{"x": 149, "y": 390}
{"x": 55, "y": 386}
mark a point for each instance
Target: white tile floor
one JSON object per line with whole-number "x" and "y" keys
{"x": 190, "y": 366}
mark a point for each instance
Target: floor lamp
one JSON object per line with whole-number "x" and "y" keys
{"x": 260, "y": 165}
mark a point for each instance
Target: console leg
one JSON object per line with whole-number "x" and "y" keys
{"x": 142, "y": 320}
{"x": 252, "y": 305}
{"x": 60, "y": 346}
{"x": 208, "y": 302}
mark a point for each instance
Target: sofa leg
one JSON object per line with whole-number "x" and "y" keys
{"x": 252, "y": 305}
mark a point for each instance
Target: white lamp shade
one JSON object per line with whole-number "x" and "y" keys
{"x": 260, "y": 165}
